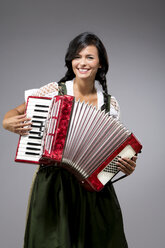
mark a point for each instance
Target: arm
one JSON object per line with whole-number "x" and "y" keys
{"x": 15, "y": 120}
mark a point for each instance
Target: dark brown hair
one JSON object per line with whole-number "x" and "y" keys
{"x": 76, "y": 45}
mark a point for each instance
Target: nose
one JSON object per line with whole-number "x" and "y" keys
{"x": 83, "y": 61}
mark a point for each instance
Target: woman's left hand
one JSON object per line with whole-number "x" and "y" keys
{"x": 126, "y": 165}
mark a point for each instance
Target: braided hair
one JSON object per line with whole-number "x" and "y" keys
{"x": 76, "y": 45}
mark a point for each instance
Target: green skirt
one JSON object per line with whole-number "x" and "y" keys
{"x": 63, "y": 214}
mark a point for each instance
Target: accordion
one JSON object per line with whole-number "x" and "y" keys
{"x": 86, "y": 141}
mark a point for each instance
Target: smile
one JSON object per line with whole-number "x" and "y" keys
{"x": 83, "y": 70}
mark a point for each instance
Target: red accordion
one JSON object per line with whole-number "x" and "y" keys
{"x": 84, "y": 140}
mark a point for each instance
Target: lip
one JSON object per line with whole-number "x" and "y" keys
{"x": 83, "y": 70}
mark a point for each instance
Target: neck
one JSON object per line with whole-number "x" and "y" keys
{"x": 84, "y": 87}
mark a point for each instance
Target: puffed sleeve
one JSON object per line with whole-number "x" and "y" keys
{"x": 48, "y": 90}
{"x": 31, "y": 92}
{"x": 114, "y": 109}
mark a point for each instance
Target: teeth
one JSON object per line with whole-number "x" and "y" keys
{"x": 83, "y": 70}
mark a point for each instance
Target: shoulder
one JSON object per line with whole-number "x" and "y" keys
{"x": 48, "y": 90}
{"x": 114, "y": 107}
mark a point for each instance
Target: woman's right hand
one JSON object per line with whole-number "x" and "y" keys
{"x": 19, "y": 124}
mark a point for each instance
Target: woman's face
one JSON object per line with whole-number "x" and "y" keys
{"x": 86, "y": 63}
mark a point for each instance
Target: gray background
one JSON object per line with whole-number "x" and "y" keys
{"x": 34, "y": 36}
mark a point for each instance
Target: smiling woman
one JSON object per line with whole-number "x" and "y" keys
{"x": 62, "y": 213}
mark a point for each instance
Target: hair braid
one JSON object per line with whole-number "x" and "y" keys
{"x": 68, "y": 76}
{"x": 101, "y": 77}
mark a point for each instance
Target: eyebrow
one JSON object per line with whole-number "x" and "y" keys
{"x": 78, "y": 54}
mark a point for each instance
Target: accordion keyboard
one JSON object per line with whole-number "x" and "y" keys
{"x": 30, "y": 146}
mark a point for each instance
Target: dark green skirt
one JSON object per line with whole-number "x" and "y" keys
{"x": 63, "y": 214}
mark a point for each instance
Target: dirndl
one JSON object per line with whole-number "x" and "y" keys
{"x": 62, "y": 214}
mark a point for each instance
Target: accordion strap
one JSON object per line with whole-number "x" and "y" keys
{"x": 62, "y": 89}
{"x": 114, "y": 181}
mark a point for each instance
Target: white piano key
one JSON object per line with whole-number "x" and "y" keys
{"x": 39, "y": 105}
{"x": 34, "y": 101}
{"x": 24, "y": 147}
{"x": 30, "y": 114}
{"x": 35, "y": 108}
{"x": 25, "y": 140}
{"x": 38, "y": 122}
{"x": 28, "y": 158}
{"x": 24, "y": 153}
{"x": 37, "y": 129}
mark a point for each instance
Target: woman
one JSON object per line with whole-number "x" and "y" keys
{"x": 62, "y": 213}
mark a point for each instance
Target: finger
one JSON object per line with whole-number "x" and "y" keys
{"x": 24, "y": 129}
{"x": 24, "y": 134}
{"x": 128, "y": 162}
{"x": 23, "y": 124}
{"x": 21, "y": 116}
{"x": 21, "y": 133}
{"x": 134, "y": 158}
{"x": 125, "y": 170}
{"x": 24, "y": 119}
{"x": 126, "y": 166}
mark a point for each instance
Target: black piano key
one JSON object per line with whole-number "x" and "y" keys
{"x": 41, "y": 129}
{"x": 35, "y": 132}
{"x": 38, "y": 117}
{"x": 35, "y": 126}
{"x": 40, "y": 122}
{"x": 31, "y": 153}
{"x": 41, "y": 110}
{"x": 42, "y": 106}
{"x": 40, "y": 126}
{"x": 33, "y": 144}
{"x": 34, "y": 137}
{"x": 33, "y": 148}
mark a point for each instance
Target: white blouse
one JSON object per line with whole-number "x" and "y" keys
{"x": 51, "y": 89}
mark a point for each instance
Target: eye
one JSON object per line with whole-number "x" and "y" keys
{"x": 90, "y": 57}
{"x": 77, "y": 56}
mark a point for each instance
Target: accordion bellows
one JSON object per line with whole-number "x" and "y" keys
{"x": 84, "y": 140}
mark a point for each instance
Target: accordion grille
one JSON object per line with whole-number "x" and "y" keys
{"x": 92, "y": 137}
